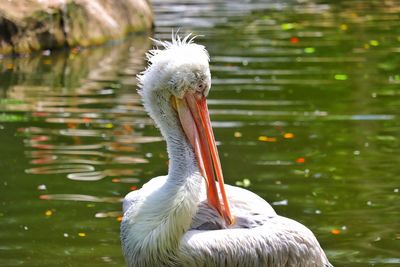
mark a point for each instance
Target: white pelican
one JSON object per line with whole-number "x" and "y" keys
{"x": 185, "y": 218}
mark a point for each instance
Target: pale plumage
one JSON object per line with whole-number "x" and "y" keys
{"x": 173, "y": 220}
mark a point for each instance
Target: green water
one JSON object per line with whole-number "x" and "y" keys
{"x": 305, "y": 106}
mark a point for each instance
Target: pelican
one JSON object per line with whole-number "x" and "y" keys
{"x": 189, "y": 217}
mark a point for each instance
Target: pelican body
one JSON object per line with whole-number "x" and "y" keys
{"x": 189, "y": 217}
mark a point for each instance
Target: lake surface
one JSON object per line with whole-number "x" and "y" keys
{"x": 305, "y": 105}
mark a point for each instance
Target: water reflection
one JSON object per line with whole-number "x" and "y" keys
{"x": 85, "y": 198}
{"x": 84, "y": 126}
{"x": 90, "y": 119}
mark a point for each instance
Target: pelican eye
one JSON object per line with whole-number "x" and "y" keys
{"x": 201, "y": 87}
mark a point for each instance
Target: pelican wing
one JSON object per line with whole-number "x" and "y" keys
{"x": 278, "y": 242}
{"x": 259, "y": 237}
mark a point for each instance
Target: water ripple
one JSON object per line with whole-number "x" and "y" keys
{"x": 60, "y": 169}
{"x": 77, "y": 197}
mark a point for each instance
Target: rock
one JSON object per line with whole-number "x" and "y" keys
{"x": 29, "y": 25}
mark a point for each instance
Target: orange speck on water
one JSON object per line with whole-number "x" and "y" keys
{"x": 335, "y": 231}
{"x": 267, "y": 139}
{"x": 294, "y": 40}
{"x": 40, "y": 114}
{"x": 87, "y": 120}
{"x": 119, "y": 218}
{"x": 300, "y": 160}
{"x": 288, "y": 135}
{"x": 262, "y": 138}
{"x": 116, "y": 180}
{"x": 75, "y": 50}
{"x": 128, "y": 128}
{"x": 133, "y": 188}
{"x": 42, "y": 146}
{"x": 39, "y": 138}
{"x": 44, "y": 197}
{"x": 72, "y": 125}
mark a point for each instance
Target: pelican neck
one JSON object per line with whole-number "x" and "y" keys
{"x": 182, "y": 159}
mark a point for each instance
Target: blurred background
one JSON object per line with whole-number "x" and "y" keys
{"x": 305, "y": 105}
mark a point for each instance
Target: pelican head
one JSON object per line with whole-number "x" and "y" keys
{"x": 174, "y": 88}
{"x": 181, "y": 67}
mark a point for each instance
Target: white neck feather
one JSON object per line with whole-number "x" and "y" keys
{"x": 162, "y": 218}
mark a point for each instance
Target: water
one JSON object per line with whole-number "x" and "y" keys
{"x": 305, "y": 105}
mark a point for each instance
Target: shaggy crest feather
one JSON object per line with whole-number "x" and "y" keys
{"x": 178, "y": 49}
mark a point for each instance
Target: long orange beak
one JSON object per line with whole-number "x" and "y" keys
{"x": 195, "y": 120}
